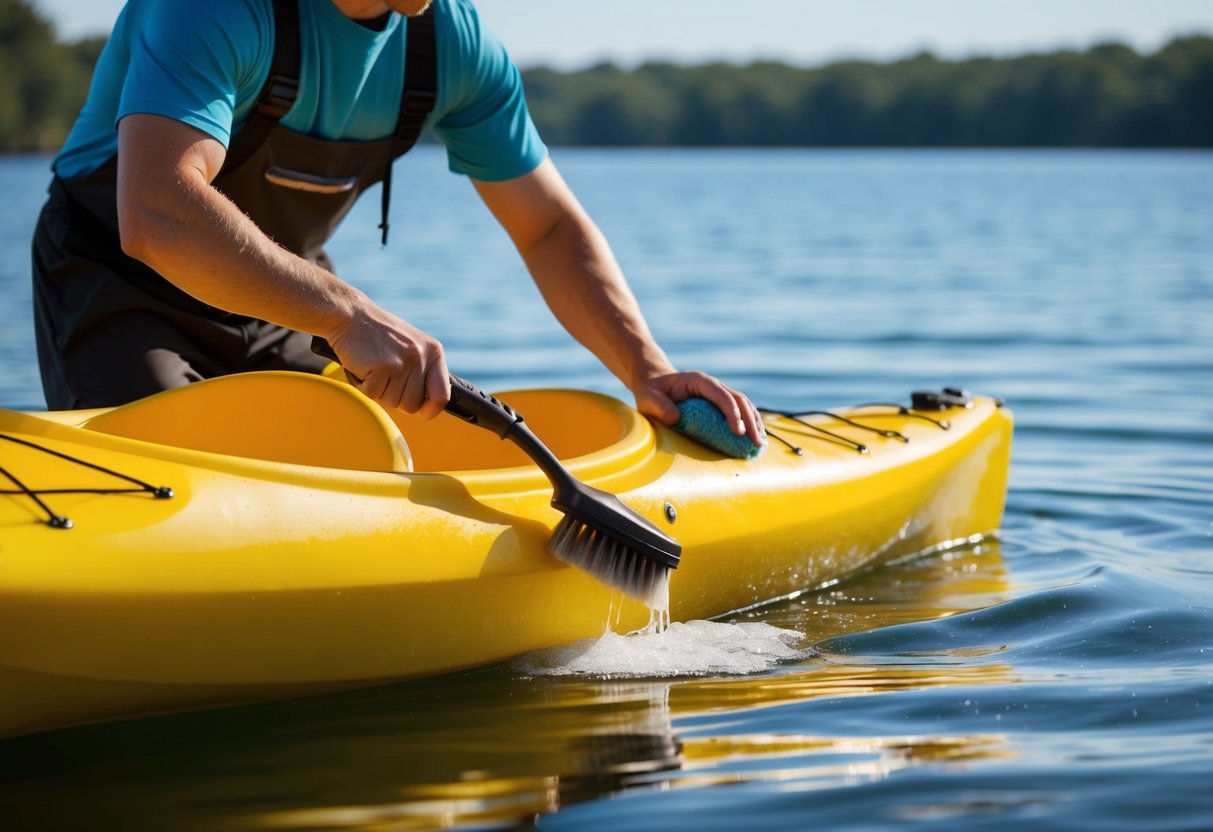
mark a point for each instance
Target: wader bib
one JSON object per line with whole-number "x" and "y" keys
{"x": 110, "y": 329}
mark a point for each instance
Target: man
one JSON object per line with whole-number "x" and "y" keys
{"x": 221, "y": 144}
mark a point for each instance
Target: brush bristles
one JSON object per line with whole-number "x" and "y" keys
{"x": 610, "y": 561}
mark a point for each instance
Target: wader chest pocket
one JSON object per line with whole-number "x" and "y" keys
{"x": 299, "y": 181}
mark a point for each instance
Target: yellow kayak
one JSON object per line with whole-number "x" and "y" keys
{"x": 272, "y": 535}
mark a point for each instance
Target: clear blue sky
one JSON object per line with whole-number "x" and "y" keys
{"x": 574, "y": 33}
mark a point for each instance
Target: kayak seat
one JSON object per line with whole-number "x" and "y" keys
{"x": 274, "y": 415}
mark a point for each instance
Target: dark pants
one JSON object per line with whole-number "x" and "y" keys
{"x": 105, "y": 338}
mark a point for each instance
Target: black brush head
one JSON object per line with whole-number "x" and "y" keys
{"x": 605, "y": 538}
{"x": 605, "y": 513}
{"x": 610, "y": 561}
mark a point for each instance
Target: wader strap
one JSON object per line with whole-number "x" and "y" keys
{"x": 281, "y": 87}
{"x": 420, "y": 81}
{"x": 416, "y": 102}
{"x": 278, "y": 94}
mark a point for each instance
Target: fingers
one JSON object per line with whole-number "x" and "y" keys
{"x": 401, "y": 367}
{"x": 656, "y": 403}
{"x": 394, "y": 390}
{"x": 420, "y": 385}
{"x": 743, "y": 417}
{"x": 752, "y": 419}
{"x": 424, "y": 392}
{"x": 740, "y": 412}
{"x": 437, "y": 389}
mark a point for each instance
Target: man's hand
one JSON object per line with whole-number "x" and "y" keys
{"x": 658, "y": 397}
{"x": 400, "y": 366}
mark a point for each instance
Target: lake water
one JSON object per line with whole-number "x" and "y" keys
{"x": 1058, "y": 678}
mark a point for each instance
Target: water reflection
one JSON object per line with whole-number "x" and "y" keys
{"x": 489, "y": 748}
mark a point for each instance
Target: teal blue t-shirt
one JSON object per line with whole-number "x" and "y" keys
{"x": 204, "y": 64}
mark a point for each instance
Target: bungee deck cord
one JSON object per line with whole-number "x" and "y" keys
{"x": 59, "y": 521}
{"x": 949, "y": 397}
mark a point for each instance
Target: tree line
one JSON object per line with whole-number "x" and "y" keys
{"x": 1106, "y": 96}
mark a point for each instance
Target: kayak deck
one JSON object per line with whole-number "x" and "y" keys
{"x": 266, "y": 576}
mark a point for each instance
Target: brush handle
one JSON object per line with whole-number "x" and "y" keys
{"x": 476, "y": 407}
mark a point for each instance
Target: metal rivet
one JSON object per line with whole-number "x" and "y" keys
{"x": 671, "y": 513}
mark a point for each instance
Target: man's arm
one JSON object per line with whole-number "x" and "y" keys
{"x": 173, "y": 219}
{"x": 573, "y": 266}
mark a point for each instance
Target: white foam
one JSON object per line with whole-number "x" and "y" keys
{"x": 694, "y": 648}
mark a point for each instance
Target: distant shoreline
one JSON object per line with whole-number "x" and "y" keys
{"x": 1105, "y": 97}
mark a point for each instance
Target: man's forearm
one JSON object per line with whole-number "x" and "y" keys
{"x": 580, "y": 280}
{"x": 200, "y": 241}
{"x": 572, "y": 264}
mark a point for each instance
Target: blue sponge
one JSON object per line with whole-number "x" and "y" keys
{"x": 703, "y": 422}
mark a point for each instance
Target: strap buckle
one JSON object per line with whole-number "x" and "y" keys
{"x": 279, "y": 97}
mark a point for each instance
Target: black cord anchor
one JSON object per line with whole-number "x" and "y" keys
{"x": 59, "y": 521}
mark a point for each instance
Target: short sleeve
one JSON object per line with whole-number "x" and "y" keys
{"x": 198, "y": 63}
{"x": 483, "y": 119}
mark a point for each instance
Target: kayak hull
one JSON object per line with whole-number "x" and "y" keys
{"x": 267, "y": 579}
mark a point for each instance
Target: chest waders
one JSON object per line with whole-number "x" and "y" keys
{"x": 110, "y": 329}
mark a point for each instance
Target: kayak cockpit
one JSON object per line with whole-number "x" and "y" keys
{"x": 306, "y": 419}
